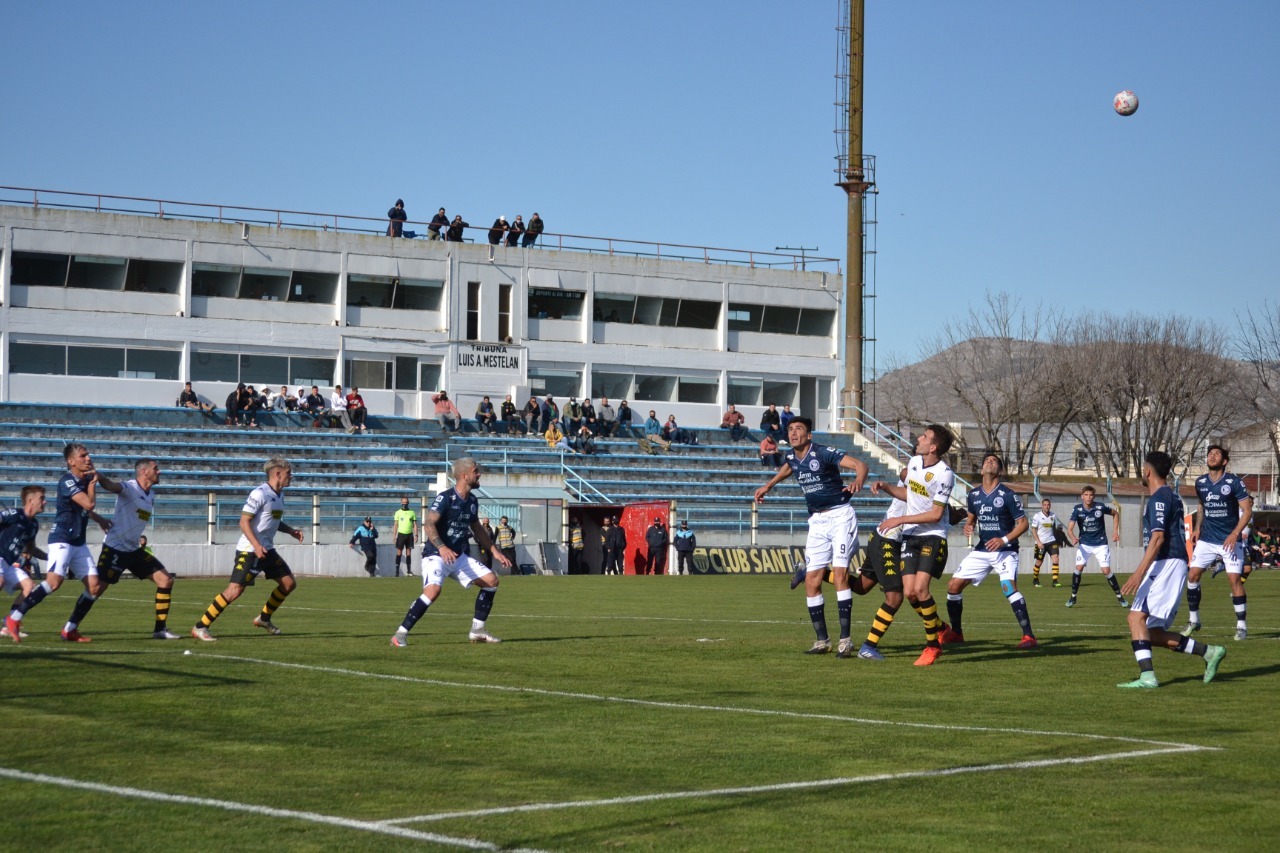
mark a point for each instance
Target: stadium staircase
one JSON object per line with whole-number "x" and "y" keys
{"x": 205, "y": 463}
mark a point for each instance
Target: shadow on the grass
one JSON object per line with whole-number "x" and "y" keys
{"x": 975, "y": 651}
{"x": 98, "y": 663}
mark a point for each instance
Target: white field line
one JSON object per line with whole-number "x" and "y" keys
{"x": 684, "y": 706}
{"x": 791, "y": 786}
{"x": 378, "y": 827}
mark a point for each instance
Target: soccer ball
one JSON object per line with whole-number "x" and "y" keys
{"x": 1126, "y": 103}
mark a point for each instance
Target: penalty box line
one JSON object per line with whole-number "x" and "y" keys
{"x": 377, "y": 827}
{"x": 796, "y": 786}
{"x": 723, "y": 709}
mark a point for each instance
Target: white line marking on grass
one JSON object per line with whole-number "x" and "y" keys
{"x": 379, "y": 827}
{"x": 684, "y": 706}
{"x": 793, "y": 786}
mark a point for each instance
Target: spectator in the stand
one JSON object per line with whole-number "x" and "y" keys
{"x": 532, "y": 414}
{"x": 554, "y": 435}
{"x": 357, "y": 410}
{"x": 366, "y": 538}
{"x": 653, "y": 432}
{"x": 549, "y": 411}
{"x": 586, "y": 442}
{"x": 282, "y": 400}
{"x": 589, "y": 413}
{"x": 338, "y": 408}
{"x": 446, "y": 412}
{"x": 606, "y": 418}
{"x": 506, "y": 541}
{"x": 251, "y": 402}
{"x": 733, "y": 421}
{"x": 486, "y": 417}
{"x": 395, "y": 228}
{"x": 655, "y": 562}
{"x": 510, "y": 416}
{"x": 233, "y": 405}
{"x": 456, "y": 228}
{"x": 674, "y": 434}
{"x": 514, "y": 232}
{"x": 624, "y": 419}
{"x": 771, "y": 423}
{"x": 535, "y": 228}
{"x": 496, "y": 231}
{"x": 572, "y": 416}
{"x": 300, "y": 400}
{"x": 769, "y": 455}
{"x": 784, "y": 418}
{"x": 188, "y": 399}
{"x": 686, "y": 544}
{"x": 316, "y": 406}
{"x": 440, "y": 220}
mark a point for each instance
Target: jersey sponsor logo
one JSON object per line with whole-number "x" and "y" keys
{"x": 277, "y": 514}
{"x": 928, "y": 477}
{"x": 919, "y": 489}
{"x": 144, "y": 515}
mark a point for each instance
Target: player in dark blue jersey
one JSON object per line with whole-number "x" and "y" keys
{"x": 997, "y": 515}
{"x": 1156, "y": 585}
{"x": 833, "y": 526}
{"x": 451, "y": 522}
{"x": 68, "y": 553}
{"x": 1225, "y": 512}
{"x": 18, "y": 529}
{"x": 1092, "y": 520}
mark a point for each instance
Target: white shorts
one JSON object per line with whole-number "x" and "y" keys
{"x": 464, "y": 570}
{"x": 832, "y": 540}
{"x": 14, "y": 577}
{"x": 978, "y": 564}
{"x": 1206, "y": 554}
{"x": 73, "y": 560}
{"x": 1160, "y": 592}
{"x": 1102, "y": 552}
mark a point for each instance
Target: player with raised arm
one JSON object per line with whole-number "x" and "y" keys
{"x": 1045, "y": 527}
{"x": 882, "y": 566}
{"x": 1092, "y": 541}
{"x": 260, "y": 520}
{"x": 68, "y": 553}
{"x": 924, "y": 528}
{"x": 833, "y": 526}
{"x": 997, "y": 515}
{"x": 451, "y": 522}
{"x": 1156, "y": 585}
{"x": 1225, "y": 511}
{"x": 122, "y": 550}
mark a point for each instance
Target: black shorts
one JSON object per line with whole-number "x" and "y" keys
{"x": 248, "y": 567}
{"x": 404, "y": 540}
{"x": 1040, "y": 550}
{"x": 883, "y": 562}
{"x": 924, "y": 554}
{"x": 112, "y": 564}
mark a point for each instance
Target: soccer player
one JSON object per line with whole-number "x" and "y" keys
{"x": 1225, "y": 511}
{"x": 123, "y": 548}
{"x": 77, "y": 496}
{"x": 833, "y": 526}
{"x": 1156, "y": 585}
{"x": 996, "y": 512}
{"x": 1046, "y": 526}
{"x": 924, "y": 528}
{"x": 18, "y": 529}
{"x": 405, "y": 521}
{"x": 1092, "y": 541}
{"x": 882, "y": 566}
{"x": 451, "y": 522}
{"x": 260, "y": 519}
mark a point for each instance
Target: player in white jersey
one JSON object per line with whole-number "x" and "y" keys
{"x": 122, "y": 549}
{"x": 1045, "y": 528}
{"x": 882, "y": 566}
{"x": 924, "y": 528}
{"x": 260, "y": 519}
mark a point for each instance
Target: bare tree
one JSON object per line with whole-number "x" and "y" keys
{"x": 1258, "y": 345}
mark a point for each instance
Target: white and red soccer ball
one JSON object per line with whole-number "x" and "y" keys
{"x": 1126, "y": 103}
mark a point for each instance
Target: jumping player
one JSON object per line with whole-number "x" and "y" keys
{"x": 1225, "y": 511}
{"x": 1093, "y": 541}
{"x": 833, "y": 526}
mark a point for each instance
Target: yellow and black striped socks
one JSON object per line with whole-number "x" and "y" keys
{"x": 162, "y": 608}
{"x": 214, "y": 611}
{"x": 273, "y": 603}
{"x": 883, "y": 619}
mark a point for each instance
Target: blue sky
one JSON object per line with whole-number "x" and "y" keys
{"x": 1001, "y": 165}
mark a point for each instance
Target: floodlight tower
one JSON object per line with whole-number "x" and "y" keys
{"x": 855, "y": 174}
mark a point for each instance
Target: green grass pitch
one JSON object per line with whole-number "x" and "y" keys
{"x": 650, "y": 713}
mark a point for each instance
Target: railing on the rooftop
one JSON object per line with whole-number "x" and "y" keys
{"x": 314, "y": 221}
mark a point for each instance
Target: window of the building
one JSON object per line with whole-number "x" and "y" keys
{"x": 699, "y": 314}
{"x": 473, "y": 310}
{"x": 698, "y": 390}
{"x": 259, "y": 369}
{"x": 615, "y": 386}
{"x": 152, "y": 363}
{"x": 358, "y": 373}
{"x": 215, "y": 367}
{"x": 817, "y": 322}
{"x": 77, "y": 360}
{"x": 557, "y": 382}
{"x": 781, "y": 319}
{"x": 264, "y": 369}
{"x": 781, "y": 393}
{"x": 37, "y": 269}
{"x": 745, "y": 317}
{"x": 745, "y": 392}
{"x": 153, "y": 276}
{"x": 429, "y": 374}
{"x": 657, "y": 311}
{"x": 311, "y": 371}
{"x": 315, "y": 287}
{"x": 406, "y": 373}
{"x": 504, "y": 312}
{"x": 655, "y": 388}
{"x": 553, "y": 304}
{"x": 614, "y": 308}
{"x": 375, "y": 291}
{"x": 265, "y": 285}
{"x": 215, "y": 280}
{"x": 94, "y": 361}
{"x": 45, "y": 359}
{"x": 94, "y": 272}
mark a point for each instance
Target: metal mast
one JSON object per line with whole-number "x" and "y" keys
{"x": 856, "y": 176}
